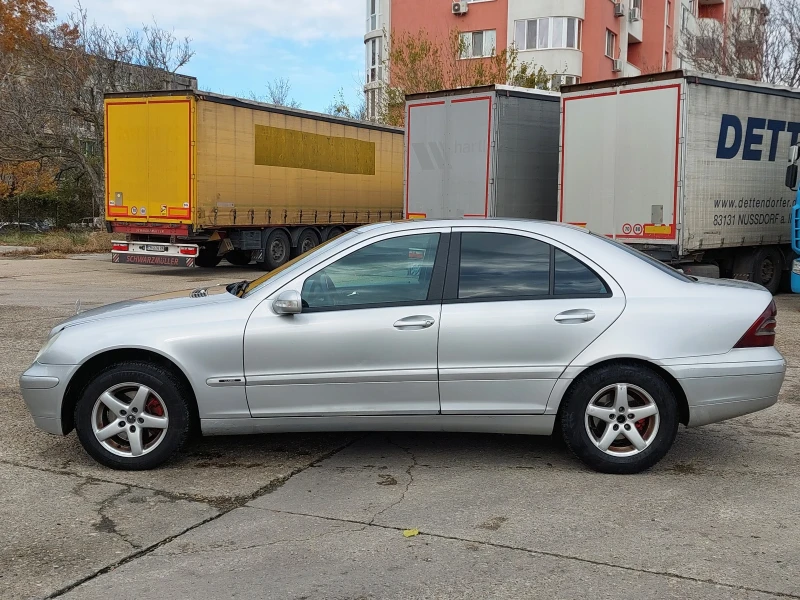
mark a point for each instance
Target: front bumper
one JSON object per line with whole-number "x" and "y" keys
{"x": 43, "y": 388}
{"x": 742, "y": 382}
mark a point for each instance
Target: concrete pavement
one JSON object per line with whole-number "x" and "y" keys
{"x": 322, "y": 516}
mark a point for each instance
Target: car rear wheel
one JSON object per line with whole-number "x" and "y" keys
{"x": 133, "y": 416}
{"x": 620, "y": 418}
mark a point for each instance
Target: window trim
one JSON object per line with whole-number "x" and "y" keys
{"x": 452, "y": 277}
{"x": 550, "y": 20}
{"x": 613, "y": 44}
{"x": 434, "y": 291}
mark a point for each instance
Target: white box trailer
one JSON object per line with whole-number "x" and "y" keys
{"x": 489, "y": 151}
{"x": 686, "y": 166}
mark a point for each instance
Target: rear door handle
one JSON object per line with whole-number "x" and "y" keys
{"x": 414, "y": 322}
{"x": 578, "y": 315}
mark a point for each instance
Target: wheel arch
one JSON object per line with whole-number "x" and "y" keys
{"x": 103, "y": 360}
{"x": 675, "y": 386}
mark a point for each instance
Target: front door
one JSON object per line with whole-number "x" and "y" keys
{"x": 366, "y": 340}
{"x": 516, "y": 312}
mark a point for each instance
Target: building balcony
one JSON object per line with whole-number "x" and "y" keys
{"x": 564, "y": 61}
{"x": 635, "y": 30}
{"x": 708, "y": 2}
{"x": 525, "y": 9}
{"x": 630, "y": 70}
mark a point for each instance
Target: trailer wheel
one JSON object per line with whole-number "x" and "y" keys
{"x": 333, "y": 232}
{"x": 307, "y": 241}
{"x": 207, "y": 256}
{"x": 239, "y": 258}
{"x": 767, "y": 268}
{"x": 277, "y": 250}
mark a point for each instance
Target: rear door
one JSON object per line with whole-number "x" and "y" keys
{"x": 448, "y": 152}
{"x": 517, "y": 310}
{"x": 150, "y": 159}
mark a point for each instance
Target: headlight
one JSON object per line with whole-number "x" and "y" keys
{"x": 47, "y": 346}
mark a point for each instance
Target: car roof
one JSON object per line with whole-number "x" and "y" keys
{"x": 531, "y": 225}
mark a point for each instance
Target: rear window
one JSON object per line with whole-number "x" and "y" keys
{"x": 646, "y": 258}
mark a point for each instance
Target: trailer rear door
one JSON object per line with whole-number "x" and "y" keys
{"x": 620, "y": 161}
{"x": 448, "y": 156}
{"x": 149, "y": 158}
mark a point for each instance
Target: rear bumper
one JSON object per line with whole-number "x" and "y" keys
{"x": 168, "y": 255}
{"x": 43, "y": 388}
{"x": 729, "y": 387}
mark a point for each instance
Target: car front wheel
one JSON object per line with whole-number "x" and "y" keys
{"x": 133, "y": 416}
{"x": 620, "y": 418}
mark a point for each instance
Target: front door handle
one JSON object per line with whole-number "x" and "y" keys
{"x": 414, "y": 322}
{"x": 578, "y": 315}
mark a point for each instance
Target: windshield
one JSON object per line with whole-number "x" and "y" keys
{"x": 664, "y": 268}
{"x": 302, "y": 259}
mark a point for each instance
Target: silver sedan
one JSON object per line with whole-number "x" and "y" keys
{"x": 487, "y": 326}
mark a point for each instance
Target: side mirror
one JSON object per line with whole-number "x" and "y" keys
{"x": 791, "y": 176}
{"x": 288, "y": 303}
{"x": 794, "y": 153}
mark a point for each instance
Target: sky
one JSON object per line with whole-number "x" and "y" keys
{"x": 240, "y": 45}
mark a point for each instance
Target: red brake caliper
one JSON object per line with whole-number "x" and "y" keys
{"x": 154, "y": 407}
{"x": 640, "y": 425}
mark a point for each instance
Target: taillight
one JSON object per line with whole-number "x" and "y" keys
{"x": 762, "y": 332}
{"x": 116, "y": 246}
{"x": 188, "y": 251}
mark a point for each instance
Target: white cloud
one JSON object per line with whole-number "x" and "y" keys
{"x": 231, "y": 21}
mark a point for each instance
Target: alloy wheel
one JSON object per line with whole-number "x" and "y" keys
{"x": 622, "y": 419}
{"x": 129, "y": 419}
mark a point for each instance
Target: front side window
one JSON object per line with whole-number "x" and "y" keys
{"x": 397, "y": 270}
{"x": 499, "y": 265}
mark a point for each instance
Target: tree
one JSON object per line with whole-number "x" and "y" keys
{"x": 29, "y": 177}
{"x": 419, "y": 62}
{"x": 277, "y": 93}
{"x": 22, "y": 20}
{"x": 51, "y": 99}
{"x": 759, "y": 41}
{"x": 339, "y": 107}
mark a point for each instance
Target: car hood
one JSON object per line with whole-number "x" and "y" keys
{"x": 170, "y": 301}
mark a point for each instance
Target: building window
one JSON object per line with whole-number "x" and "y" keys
{"x": 476, "y": 44}
{"x": 374, "y": 60}
{"x": 557, "y": 80}
{"x": 611, "y": 43}
{"x": 685, "y": 18}
{"x": 372, "y": 15}
{"x": 704, "y": 47}
{"x": 547, "y": 32}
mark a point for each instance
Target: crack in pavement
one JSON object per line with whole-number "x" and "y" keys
{"x": 413, "y": 464}
{"x": 547, "y": 553}
{"x": 240, "y": 502}
{"x": 106, "y": 523}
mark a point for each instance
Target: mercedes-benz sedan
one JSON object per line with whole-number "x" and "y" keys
{"x": 487, "y": 326}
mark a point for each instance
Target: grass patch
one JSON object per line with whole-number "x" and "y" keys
{"x": 59, "y": 242}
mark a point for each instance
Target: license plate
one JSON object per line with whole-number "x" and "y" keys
{"x": 150, "y": 248}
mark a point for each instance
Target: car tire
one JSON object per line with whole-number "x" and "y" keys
{"x": 768, "y": 268}
{"x": 584, "y": 428}
{"x": 164, "y": 400}
{"x": 276, "y": 251}
{"x": 239, "y": 258}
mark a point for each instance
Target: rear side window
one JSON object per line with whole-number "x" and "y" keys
{"x": 573, "y": 278}
{"x": 496, "y": 265}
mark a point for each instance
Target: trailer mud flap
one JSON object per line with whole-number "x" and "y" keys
{"x": 141, "y": 259}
